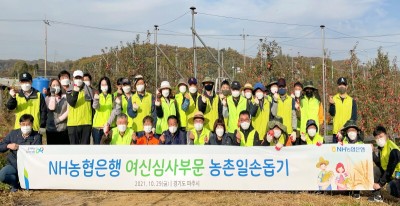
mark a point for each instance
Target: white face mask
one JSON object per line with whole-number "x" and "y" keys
{"x": 87, "y": 83}
{"x": 235, "y": 93}
{"x": 165, "y": 93}
{"x": 26, "y": 130}
{"x": 26, "y": 87}
{"x": 57, "y": 89}
{"x": 121, "y": 127}
{"x": 65, "y": 82}
{"x": 219, "y": 131}
{"x": 248, "y": 95}
{"x": 126, "y": 89}
{"x": 277, "y": 133}
{"x": 352, "y": 135}
{"x": 172, "y": 129}
{"x": 297, "y": 93}
{"x": 311, "y": 132}
{"x": 274, "y": 90}
{"x": 147, "y": 128}
{"x": 381, "y": 142}
{"x": 140, "y": 88}
{"x": 182, "y": 89}
{"x": 259, "y": 95}
{"x": 104, "y": 89}
{"x": 192, "y": 90}
{"x": 78, "y": 82}
{"x": 245, "y": 125}
{"x": 198, "y": 126}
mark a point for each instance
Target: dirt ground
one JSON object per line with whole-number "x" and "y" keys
{"x": 87, "y": 198}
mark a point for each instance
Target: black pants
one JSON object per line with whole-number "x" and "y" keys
{"x": 393, "y": 185}
{"x": 80, "y": 134}
{"x": 57, "y": 138}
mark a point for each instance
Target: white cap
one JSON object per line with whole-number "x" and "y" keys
{"x": 165, "y": 85}
{"x": 78, "y": 73}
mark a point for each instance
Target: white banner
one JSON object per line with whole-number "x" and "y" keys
{"x": 184, "y": 167}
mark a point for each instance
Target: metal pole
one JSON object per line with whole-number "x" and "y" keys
{"x": 323, "y": 76}
{"x": 194, "y": 42}
{"x": 156, "y": 48}
{"x": 261, "y": 55}
{"x": 46, "y": 23}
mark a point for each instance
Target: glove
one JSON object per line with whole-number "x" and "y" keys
{"x": 319, "y": 144}
{"x": 269, "y": 138}
{"x": 96, "y": 96}
{"x": 293, "y": 136}
{"x": 12, "y": 93}
{"x": 42, "y": 131}
{"x": 52, "y": 91}
{"x": 135, "y": 107}
{"x": 106, "y": 128}
{"x": 303, "y": 136}
{"x": 117, "y": 100}
{"x": 278, "y": 147}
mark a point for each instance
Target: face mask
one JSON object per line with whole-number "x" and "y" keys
{"x": 26, "y": 87}
{"x": 198, "y": 126}
{"x": 259, "y": 95}
{"x": 147, "y": 128}
{"x": 282, "y": 91}
{"x": 65, "y": 82}
{"x": 311, "y": 132}
{"x": 226, "y": 92}
{"x": 245, "y": 125}
{"x": 277, "y": 133}
{"x": 104, "y": 89}
{"x": 235, "y": 93}
{"x": 248, "y": 95}
{"x": 297, "y": 93}
{"x": 342, "y": 90}
{"x": 381, "y": 142}
{"x": 309, "y": 94}
{"x": 172, "y": 129}
{"x": 57, "y": 89}
{"x": 192, "y": 90}
{"x": 220, "y": 132}
{"x": 165, "y": 93}
{"x": 78, "y": 82}
{"x": 121, "y": 128}
{"x": 352, "y": 135}
{"x": 126, "y": 89}
{"x": 274, "y": 90}
{"x": 209, "y": 87}
{"x": 182, "y": 89}
{"x": 87, "y": 83}
{"x": 26, "y": 130}
{"x": 140, "y": 88}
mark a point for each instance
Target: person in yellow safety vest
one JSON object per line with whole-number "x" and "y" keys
{"x": 351, "y": 133}
{"x": 246, "y": 135}
{"x": 165, "y": 107}
{"x": 286, "y": 109}
{"x": 224, "y": 93}
{"x": 123, "y": 98}
{"x": 310, "y": 107}
{"x": 297, "y": 95}
{"x": 140, "y": 105}
{"x": 199, "y": 134}
{"x": 120, "y": 135}
{"x": 277, "y": 135}
{"x": 387, "y": 166}
{"x": 186, "y": 102}
{"x": 210, "y": 104}
{"x": 248, "y": 94}
{"x": 103, "y": 104}
{"x": 312, "y": 137}
{"x": 79, "y": 121}
{"x": 342, "y": 108}
{"x": 271, "y": 89}
{"x": 28, "y": 100}
{"x": 264, "y": 110}
{"x": 118, "y": 85}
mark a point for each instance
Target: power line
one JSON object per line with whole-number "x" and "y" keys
{"x": 360, "y": 37}
{"x": 95, "y": 27}
{"x": 174, "y": 19}
{"x": 21, "y": 20}
{"x": 300, "y": 36}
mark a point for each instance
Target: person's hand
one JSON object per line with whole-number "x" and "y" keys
{"x": 106, "y": 128}
{"x": 157, "y": 102}
{"x": 331, "y": 99}
{"x": 276, "y": 97}
{"x": 238, "y": 137}
{"x": 187, "y": 96}
{"x": 221, "y": 96}
{"x": 339, "y": 136}
{"x": 224, "y": 102}
{"x": 293, "y": 136}
{"x": 278, "y": 146}
{"x": 206, "y": 139}
{"x": 52, "y": 91}
{"x": 119, "y": 91}
{"x": 340, "y": 143}
{"x": 256, "y": 101}
{"x": 135, "y": 107}
{"x": 191, "y": 136}
{"x": 96, "y": 96}
{"x": 42, "y": 131}
{"x": 203, "y": 98}
{"x": 303, "y": 136}
{"x": 44, "y": 91}
{"x": 269, "y": 137}
{"x": 13, "y": 146}
{"x": 376, "y": 186}
{"x": 319, "y": 144}
{"x": 162, "y": 138}
{"x": 76, "y": 88}
{"x": 292, "y": 95}
{"x": 118, "y": 100}
{"x": 297, "y": 105}
{"x": 12, "y": 93}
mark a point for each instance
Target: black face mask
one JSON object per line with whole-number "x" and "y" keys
{"x": 209, "y": 87}
{"x": 309, "y": 94}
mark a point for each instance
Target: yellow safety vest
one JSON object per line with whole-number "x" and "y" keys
{"x": 285, "y": 111}
{"x": 144, "y": 109}
{"x": 309, "y": 108}
{"x": 124, "y": 108}
{"x": 199, "y": 140}
{"x": 317, "y": 138}
{"x": 30, "y": 106}
{"x": 343, "y": 112}
{"x": 104, "y": 111}
{"x": 211, "y": 113}
{"x": 250, "y": 139}
{"x": 81, "y": 114}
{"x": 280, "y": 140}
{"x": 168, "y": 110}
{"x": 117, "y": 139}
{"x": 192, "y": 109}
{"x": 345, "y": 141}
{"x": 260, "y": 120}
{"x": 234, "y": 112}
{"x": 389, "y": 146}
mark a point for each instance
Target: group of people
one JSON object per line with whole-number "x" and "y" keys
{"x": 71, "y": 112}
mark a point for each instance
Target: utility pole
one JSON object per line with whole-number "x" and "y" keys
{"x": 244, "y": 49}
{"x": 46, "y": 23}
{"x": 194, "y": 42}
{"x": 351, "y": 63}
{"x": 323, "y": 76}
{"x": 261, "y": 54}
{"x": 155, "y": 47}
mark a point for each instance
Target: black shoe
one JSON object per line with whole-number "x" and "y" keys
{"x": 356, "y": 196}
{"x": 375, "y": 198}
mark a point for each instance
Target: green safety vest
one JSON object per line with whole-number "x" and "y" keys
{"x": 199, "y": 140}
{"x": 30, "y": 106}
{"x": 345, "y": 141}
{"x": 168, "y": 110}
{"x": 104, "y": 111}
{"x": 234, "y": 112}
{"x": 117, "y": 139}
{"x": 317, "y": 138}
{"x": 250, "y": 139}
{"x": 309, "y": 108}
{"x": 343, "y": 112}
{"x": 285, "y": 111}
{"x": 81, "y": 114}
{"x": 280, "y": 140}
{"x": 144, "y": 109}
{"x": 389, "y": 146}
{"x": 211, "y": 113}
{"x": 260, "y": 120}
{"x": 124, "y": 105}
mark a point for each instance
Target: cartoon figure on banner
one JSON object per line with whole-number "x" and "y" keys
{"x": 342, "y": 178}
{"x": 325, "y": 176}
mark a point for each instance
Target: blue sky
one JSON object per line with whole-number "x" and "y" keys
{"x": 364, "y": 19}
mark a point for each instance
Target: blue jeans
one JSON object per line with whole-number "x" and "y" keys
{"x": 97, "y": 134}
{"x": 9, "y": 175}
